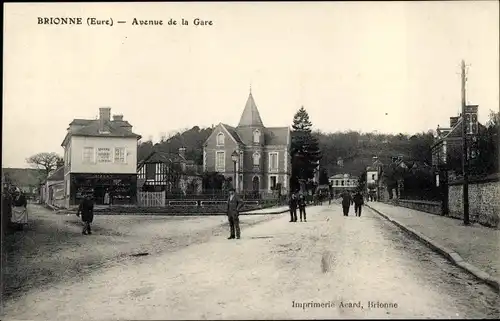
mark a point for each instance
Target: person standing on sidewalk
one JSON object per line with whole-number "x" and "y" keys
{"x": 293, "y": 203}
{"x": 302, "y": 208}
{"x": 346, "y": 202}
{"x": 358, "y": 203}
{"x": 234, "y": 205}
{"x": 86, "y": 208}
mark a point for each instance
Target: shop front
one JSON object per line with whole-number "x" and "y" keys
{"x": 121, "y": 188}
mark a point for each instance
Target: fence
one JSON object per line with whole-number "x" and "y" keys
{"x": 151, "y": 199}
{"x": 222, "y": 195}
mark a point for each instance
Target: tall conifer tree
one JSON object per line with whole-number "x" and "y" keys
{"x": 305, "y": 150}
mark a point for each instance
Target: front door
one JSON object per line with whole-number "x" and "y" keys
{"x": 255, "y": 184}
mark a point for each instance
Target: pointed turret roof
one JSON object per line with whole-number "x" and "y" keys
{"x": 250, "y": 115}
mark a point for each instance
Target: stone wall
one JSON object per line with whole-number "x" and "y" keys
{"x": 423, "y": 206}
{"x": 484, "y": 200}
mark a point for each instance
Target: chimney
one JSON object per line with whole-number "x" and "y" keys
{"x": 117, "y": 117}
{"x": 453, "y": 121}
{"x": 182, "y": 152}
{"x": 104, "y": 116}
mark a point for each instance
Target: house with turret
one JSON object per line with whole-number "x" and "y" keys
{"x": 261, "y": 154}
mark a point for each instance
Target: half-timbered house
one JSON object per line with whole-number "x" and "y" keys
{"x": 170, "y": 172}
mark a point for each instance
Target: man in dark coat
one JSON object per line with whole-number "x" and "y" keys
{"x": 293, "y": 207}
{"x": 358, "y": 202}
{"x": 86, "y": 208}
{"x": 234, "y": 205}
{"x": 346, "y": 202}
{"x": 302, "y": 207}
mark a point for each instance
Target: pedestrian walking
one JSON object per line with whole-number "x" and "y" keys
{"x": 358, "y": 203}
{"x": 293, "y": 203}
{"x": 19, "y": 215}
{"x": 86, "y": 209}
{"x": 302, "y": 208}
{"x": 234, "y": 205}
{"x": 346, "y": 202}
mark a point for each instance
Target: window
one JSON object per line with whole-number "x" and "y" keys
{"x": 373, "y": 176}
{"x": 342, "y": 183}
{"x": 103, "y": 155}
{"x": 220, "y": 161}
{"x": 220, "y": 139}
{"x": 241, "y": 160}
{"x": 150, "y": 170}
{"x": 256, "y": 159}
{"x": 273, "y": 161}
{"x": 256, "y": 136}
{"x": 272, "y": 182}
{"x": 120, "y": 155}
{"x": 336, "y": 182}
{"x": 88, "y": 154}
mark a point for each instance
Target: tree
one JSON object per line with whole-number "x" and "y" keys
{"x": 323, "y": 176}
{"x": 45, "y": 161}
{"x": 486, "y": 161}
{"x": 213, "y": 181}
{"x": 305, "y": 150}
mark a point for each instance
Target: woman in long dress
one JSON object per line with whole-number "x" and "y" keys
{"x": 19, "y": 209}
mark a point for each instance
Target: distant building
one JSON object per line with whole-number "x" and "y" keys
{"x": 447, "y": 148}
{"x": 343, "y": 182}
{"x": 170, "y": 172}
{"x": 263, "y": 153}
{"x": 100, "y": 155}
{"x": 52, "y": 189}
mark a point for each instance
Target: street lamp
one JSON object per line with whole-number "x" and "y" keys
{"x": 234, "y": 156}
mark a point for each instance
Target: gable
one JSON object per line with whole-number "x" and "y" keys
{"x": 226, "y": 130}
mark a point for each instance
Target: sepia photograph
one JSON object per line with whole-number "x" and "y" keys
{"x": 250, "y": 160}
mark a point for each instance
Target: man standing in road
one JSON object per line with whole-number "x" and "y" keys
{"x": 234, "y": 205}
{"x": 86, "y": 208}
{"x": 346, "y": 202}
{"x": 358, "y": 203}
{"x": 293, "y": 203}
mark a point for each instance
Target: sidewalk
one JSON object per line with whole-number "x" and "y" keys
{"x": 474, "y": 248}
{"x": 269, "y": 210}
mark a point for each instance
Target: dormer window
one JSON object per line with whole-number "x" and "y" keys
{"x": 220, "y": 139}
{"x": 256, "y": 136}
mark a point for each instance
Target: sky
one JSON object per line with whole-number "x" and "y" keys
{"x": 369, "y": 66}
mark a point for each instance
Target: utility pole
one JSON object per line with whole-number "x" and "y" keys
{"x": 465, "y": 161}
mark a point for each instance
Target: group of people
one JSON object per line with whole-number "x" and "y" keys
{"x": 297, "y": 200}
{"x": 14, "y": 208}
{"x": 348, "y": 200}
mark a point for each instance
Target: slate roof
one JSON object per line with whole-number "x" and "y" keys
{"x": 250, "y": 115}
{"x": 276, "y": 135}
{"x": 163, "y": 157}
{"x": 232, "y": 132}
{"x": 84, "y": 122}
{"x": 91, "y": 129}
{"x": 57, "y": 175}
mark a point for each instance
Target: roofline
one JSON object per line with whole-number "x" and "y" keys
{"x": 227, "y": 131}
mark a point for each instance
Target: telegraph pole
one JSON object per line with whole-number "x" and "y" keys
{"x": 465, "y": 161}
